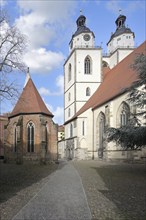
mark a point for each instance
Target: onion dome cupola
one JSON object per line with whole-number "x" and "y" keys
{"x": 83, "y": 37}
{"x": 123, "y": 37}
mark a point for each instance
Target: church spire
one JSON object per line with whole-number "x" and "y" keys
{"x": 27, "y": 76}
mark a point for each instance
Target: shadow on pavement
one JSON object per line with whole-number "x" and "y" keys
{"x": 14, "y": 178}
{"x": 126, "y": 188}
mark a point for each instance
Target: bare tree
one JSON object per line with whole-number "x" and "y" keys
{"x": 12, "y": 46}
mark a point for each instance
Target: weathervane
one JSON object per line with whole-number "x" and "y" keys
{"x": 120, "y": 11}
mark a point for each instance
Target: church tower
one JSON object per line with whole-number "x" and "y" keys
{"x": 121, "y": 42}
{"x": 82, "y": 69}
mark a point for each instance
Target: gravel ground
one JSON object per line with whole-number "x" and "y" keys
{"x": 114, "y": 191}
{"x": 19, "y": 183}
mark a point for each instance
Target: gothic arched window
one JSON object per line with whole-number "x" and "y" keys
{"x": 123, "y": 115}
{"x": 69, "y": 96}
{"x": 88, "y": 91}
{"x": 15, "y": 138}
{"x": 69, "y": 72}
{"x": 123, "y": 118}
{"x": 87, "y": 65}
{"x": 30, "y": 137}
{"x": 69, "y": 112}
{"x": 71, "y": 130}
{"x": 83, "y": 128}
{"x": 100, "y": 132}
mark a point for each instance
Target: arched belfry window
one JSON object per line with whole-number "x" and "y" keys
{"x": 30, "y": 137}
{"x": 69, "y": 72}
{"x": 88, "y": 91}
{"x": 87, "y": 65}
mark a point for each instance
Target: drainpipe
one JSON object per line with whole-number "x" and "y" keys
{"x": 93, "y": 137}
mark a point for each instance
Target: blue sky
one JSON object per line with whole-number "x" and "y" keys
{"x": 49, "y": 26}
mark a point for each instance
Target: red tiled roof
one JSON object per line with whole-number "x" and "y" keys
{"x": 105, "y": 71}
{"x": 61, "y": 128}
{"x": 30, "y": 102}
{"x": 115, "y": 83}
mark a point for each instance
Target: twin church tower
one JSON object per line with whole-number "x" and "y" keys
{"x": 83, "y": 69}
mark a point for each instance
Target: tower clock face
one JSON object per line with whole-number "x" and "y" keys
{"x": 86, "y": 37}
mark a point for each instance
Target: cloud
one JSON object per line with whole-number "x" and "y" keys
{"x": 2, "y": 3}
{"x": 131, "y": 6}
{"x": 60, "y": 85}
{"x": 42, "y": 60}
{"x": 44, "y": 91}
{"x": 113, "y": 6}
{"x": 37, "y": 31}
{"x": 44, "y": 24}
{"x": 53, "y": 11}
{"x": 44, "y": 21}
{"x": 58, "y": 113}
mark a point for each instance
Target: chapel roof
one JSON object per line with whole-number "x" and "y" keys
{"x": 115, "y": 83}
{"x": 30, "y": 102}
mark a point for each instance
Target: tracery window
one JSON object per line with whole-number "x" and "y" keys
{"x": 87, "y": 65}
{"x": 30, "y": 137}
{"x": 123, "y": 118}
{"x": 123, "y": 115}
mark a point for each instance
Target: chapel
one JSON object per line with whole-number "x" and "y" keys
{"x": 30, "y": 133}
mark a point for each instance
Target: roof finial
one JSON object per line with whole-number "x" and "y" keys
{"x": 80, "y": 11}
{"x": 27, "y": 76}
{"x": 28, "y": 70}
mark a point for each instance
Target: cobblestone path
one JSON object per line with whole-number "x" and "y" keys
{"x": 114, "y": 191}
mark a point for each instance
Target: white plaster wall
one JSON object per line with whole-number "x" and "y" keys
{"x": 71, "y": 60}
{"x": 87, "y": 117}
{"x": 79, "y": 42}
{"x": 72, "y": 111}
{"x": 61, "y": 149}
{"x": 68, "y": 102}
{"x": 124, "y": 53}
{"x": 81, "y": 90}
{"x": 118, "y": 56}
{"x": 113, "y": 60}
{"x": 123, "y": 40}
{"x": 95, "y": 55}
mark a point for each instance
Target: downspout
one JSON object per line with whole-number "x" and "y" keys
{"x": 93, "y": 137}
